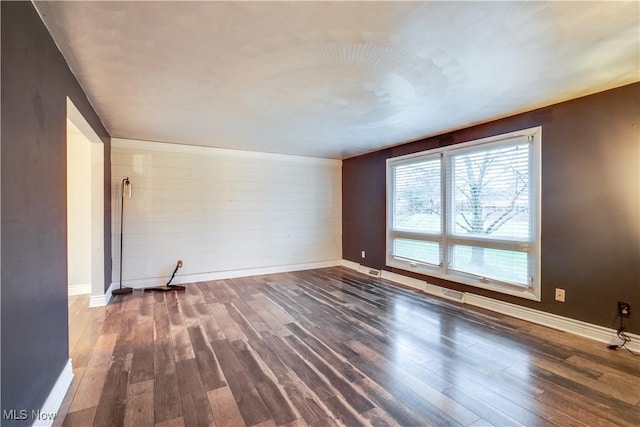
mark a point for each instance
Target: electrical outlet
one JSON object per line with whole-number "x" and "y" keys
{"x": 624, "y": 309}
{"x": 363, "y": 254}
{"x": 560, "y": 294}
{"x": 179, "y": 263}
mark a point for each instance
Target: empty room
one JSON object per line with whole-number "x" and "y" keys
{"x": 340, "y": 213}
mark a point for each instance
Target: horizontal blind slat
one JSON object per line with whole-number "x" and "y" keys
{"x": 490, "y": 194}
{"x": 417, "y": 196}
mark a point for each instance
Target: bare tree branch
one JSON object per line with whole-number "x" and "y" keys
{"x": 464, "y": 192}
{"x": 507, "y": 215}
{"x": 502, "y": 219}
{"x": 468, "y": 230}
{"x": 467, "y": 221}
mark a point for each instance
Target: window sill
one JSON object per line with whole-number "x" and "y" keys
{"x": 514, "y": 290}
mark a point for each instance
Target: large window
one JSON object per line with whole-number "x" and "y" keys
{"x": 469, "y": 213}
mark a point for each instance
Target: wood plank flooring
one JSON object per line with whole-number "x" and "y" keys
{"x": 332, "y": 347}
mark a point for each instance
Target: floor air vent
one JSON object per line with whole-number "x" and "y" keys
{"x": 369, "y": 271}
{"x": 452, "y": 295}
{"x": 441, "y": 292}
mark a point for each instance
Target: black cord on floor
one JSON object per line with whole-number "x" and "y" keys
{"x": 174, "y": 273}
{"x": 624, "y": 337}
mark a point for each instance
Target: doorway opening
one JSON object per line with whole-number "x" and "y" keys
{"x": 85, "y": 208}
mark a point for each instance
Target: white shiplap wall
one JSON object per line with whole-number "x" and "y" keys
{"x": 225, "y": 213}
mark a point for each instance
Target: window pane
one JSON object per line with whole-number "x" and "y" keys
{"x": 490, "y": 195}
{"x": 504, "y": 265}
{"x": 416, "y": 197}
{"x": 417, "y": 250}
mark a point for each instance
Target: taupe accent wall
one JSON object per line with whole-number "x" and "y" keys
{"x": 590, "y": 204}
{"x": 35, "y": 84}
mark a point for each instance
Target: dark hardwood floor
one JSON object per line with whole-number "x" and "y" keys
{"x": 333, "y": 347}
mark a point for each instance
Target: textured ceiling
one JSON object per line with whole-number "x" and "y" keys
{"x": 335, "y": 79}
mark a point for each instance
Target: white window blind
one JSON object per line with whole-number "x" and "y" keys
{"x": 490, "y": 192}
{"x": 417, "y": 250}
{"x": 416, "y": 194}
{"x": 469, "y": 213}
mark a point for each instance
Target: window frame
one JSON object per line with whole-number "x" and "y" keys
{"x": 447, "y": 239}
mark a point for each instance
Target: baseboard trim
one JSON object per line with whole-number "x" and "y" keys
{"x": 227, "y": 274}
{"x": 81, "y": 289}
{"x": 350, "y": 264}
{"x": 404, "y": 280}
{"x": 102, "y": 300}
{"x": 49, "y": 411}
{"x": 577, "y": 327}
{"x": 566, "y": 324}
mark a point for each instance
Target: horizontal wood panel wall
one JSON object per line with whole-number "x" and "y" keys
{"x": 221, "y": 210}
{"x": 590, "y": 204}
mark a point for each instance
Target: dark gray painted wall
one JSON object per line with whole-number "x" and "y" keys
{"x": 35, "y": 84}
{"x": 590, "y": 204}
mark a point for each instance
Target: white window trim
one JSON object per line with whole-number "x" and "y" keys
{"x": 533, "y": 292}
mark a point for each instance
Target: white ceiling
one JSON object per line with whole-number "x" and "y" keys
{"x": 335, "y": 79}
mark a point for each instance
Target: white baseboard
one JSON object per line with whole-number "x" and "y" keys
{"x": 566, "y": 324}
{"x": 227, "y": 274}
{"x": 352, "y": 265}
{"x": 102, "y": 300}
{"x": 48, "y": 412}
{"x": 404, "y": 280}
{"x": 81, "y": 289}
{"x": 577, "y": 327}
